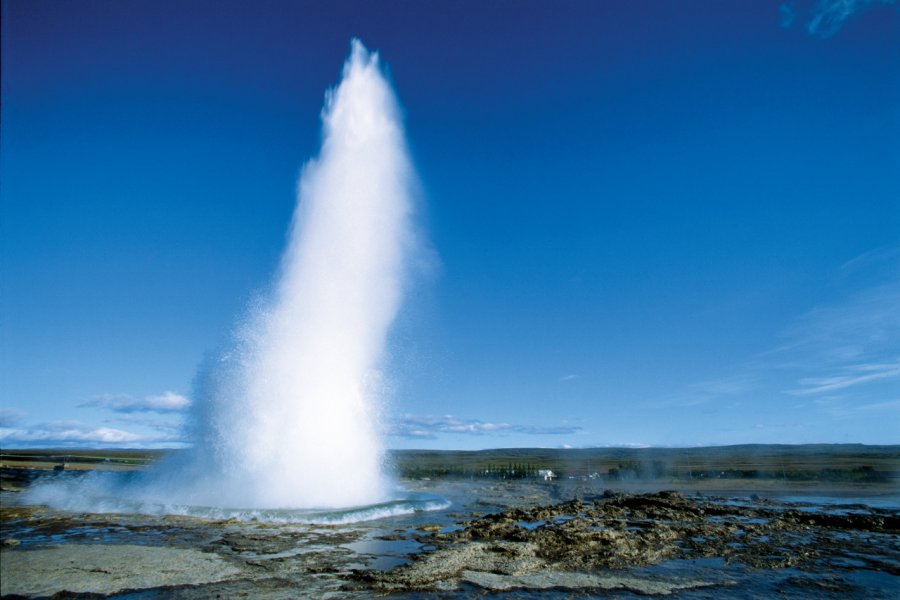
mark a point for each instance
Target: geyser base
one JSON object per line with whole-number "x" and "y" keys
{"x": 126, "y": 493}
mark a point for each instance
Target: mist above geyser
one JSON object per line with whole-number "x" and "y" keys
{"x": 288, "y": 418}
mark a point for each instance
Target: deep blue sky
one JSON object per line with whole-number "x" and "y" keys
{"x": 654, "y": 222}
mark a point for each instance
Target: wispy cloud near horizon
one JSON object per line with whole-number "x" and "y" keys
{"x": 854, "y": 375}
{"x": 428, "y": 427}
{"x": 142, "y": 418}
{"x": 78, "y": 434}
{"x": 167, "y": 402}
{"x": 10, "y": 417}
{"x": 839, "y": 358}
{"x": 859, "y": 333}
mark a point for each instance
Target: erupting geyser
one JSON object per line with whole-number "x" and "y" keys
{"x": 288, "y": 419}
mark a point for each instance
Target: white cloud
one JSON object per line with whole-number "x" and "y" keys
{"x": 865, "y": 322}
{"x": 732, "y": 385}
{"x": 711, "y": 390}
{"x": 892, "y": 405}
{"x": 147, "y": 420}
{"x": 10, "y": 417}
{"x": 428, "y": 427}
{"x": 830, "y": 15}
{"x": 844, "y": 345}
{"x": 144, "y": 415}
{"x": 855, "y": 375}
{"x": 788, "y": 14}
{"x": 879, "y": 259}
{"x": 67, "y": 432}
{"x": 839, "y": 356}
{"x": 74, "y": 433}
{"x": 826, "y": 17}
{"x": 167, "y": 402}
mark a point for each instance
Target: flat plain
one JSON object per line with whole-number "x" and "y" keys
{"x": 808, "y": 522}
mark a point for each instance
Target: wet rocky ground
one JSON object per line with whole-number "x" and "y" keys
{"x": 581, "y": 543}
{"x": 497, "y": 540}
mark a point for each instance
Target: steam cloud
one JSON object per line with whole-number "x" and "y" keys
{"x": 289, "y": 418}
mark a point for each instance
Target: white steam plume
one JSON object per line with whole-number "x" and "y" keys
{"x": 289, "y": 419}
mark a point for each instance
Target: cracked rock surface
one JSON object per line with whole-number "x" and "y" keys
{"x": 105, "y": 569}
{"x": 514, "y": 540}
{"x": 584, "y": 543}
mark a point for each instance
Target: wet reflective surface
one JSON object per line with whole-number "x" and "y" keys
{"x": 495, "y": 539}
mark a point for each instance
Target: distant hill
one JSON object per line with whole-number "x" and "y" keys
{"x": 851, "y": 462}
{"x": 804, "y": 462}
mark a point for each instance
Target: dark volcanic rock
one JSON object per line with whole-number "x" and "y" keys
{"x": 618, "y": 531}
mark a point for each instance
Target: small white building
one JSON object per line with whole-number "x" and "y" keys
{"x": 547, "y": 474}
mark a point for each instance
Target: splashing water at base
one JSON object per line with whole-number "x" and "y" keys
{"x": 288, "y": 419}
{"x": 131, "y": 493}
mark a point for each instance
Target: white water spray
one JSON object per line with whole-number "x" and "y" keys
{"x": 290, "y": 418}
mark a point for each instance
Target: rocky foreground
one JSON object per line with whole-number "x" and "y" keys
{"x": 582, "y": 544}
{"x": 648, "y": 544}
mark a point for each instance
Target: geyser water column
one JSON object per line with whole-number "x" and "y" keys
{"x": 288, "y": 419}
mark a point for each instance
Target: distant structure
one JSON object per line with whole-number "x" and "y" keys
{"x": 547, "y": 474}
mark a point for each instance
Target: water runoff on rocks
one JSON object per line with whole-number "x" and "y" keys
{"x": 285, "y": 424}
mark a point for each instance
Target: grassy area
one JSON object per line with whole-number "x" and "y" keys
{"x": 819, "y": 462}
{"x": 850, "y": 463}
{"x": 78, "y": 459}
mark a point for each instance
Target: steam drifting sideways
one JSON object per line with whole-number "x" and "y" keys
{"x": 289, "y": 419}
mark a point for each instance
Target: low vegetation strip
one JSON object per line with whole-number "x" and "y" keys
{"x": 840, "y": 463}
{"x": 81, "y": 456}
{"x": 850, "y": 463}
{"x": 617, "y": 531}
